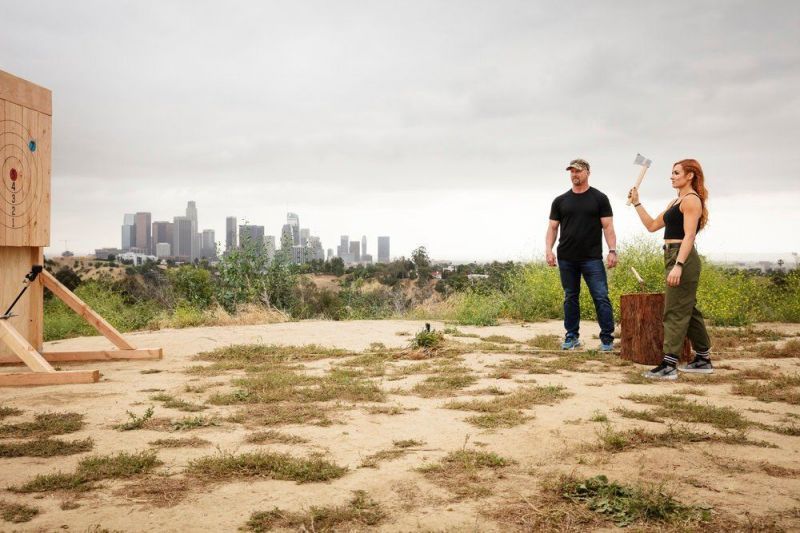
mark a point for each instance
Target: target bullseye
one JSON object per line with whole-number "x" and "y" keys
{"x": 13, "y": 174}
{"x": 22, "y": 179}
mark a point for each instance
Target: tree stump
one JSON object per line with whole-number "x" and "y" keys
{"x": 641, "y": 322}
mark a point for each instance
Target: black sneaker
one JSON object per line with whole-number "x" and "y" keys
{"x": 662, "y": 371}
{"x": 698, "y": 366}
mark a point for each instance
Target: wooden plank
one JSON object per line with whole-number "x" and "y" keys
{"x": 25, "y": 93}
{"x": 103, "y": 355}
{"x": 77, "y": 305}
{"x": 23, "y": 349}
{"x": 35, "y": 296}
{"x": 65, "y": 377}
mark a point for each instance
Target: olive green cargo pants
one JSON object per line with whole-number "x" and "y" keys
{"x": 681, "y": 317}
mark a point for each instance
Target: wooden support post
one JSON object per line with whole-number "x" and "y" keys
{"x": 77, "y": 305}
{"x": 23, "y": 349}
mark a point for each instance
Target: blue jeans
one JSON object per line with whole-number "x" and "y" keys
{"x": 594, "y": 273}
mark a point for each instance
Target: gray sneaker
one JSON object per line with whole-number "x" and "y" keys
{"x": 662, "y": 371}
{"x": 698, "y": 366}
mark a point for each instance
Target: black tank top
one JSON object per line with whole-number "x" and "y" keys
{"x": 673, "y": 220}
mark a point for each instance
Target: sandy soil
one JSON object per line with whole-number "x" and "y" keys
{"x": 549, "y": 442}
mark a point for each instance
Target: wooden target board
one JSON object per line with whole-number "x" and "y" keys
{"x": 25, "y": 148}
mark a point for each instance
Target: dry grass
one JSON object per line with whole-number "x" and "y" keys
{"x": 360, "y": 511}
{"x": 17, "y": 513}
{"x": 466, "y": 473}
{"x": 245, "y": 315}
{"x": 158, "y": 491}
{"x": 611, "y": 440}
{"x": 193, "y": 442}
{"x": 783, "y": 388}
{"x": 258, "y": 357}
{"x": 274, "y": 437}
{"x": 545, "y": 342}
{"x": 9, "y": 411}
{"x": 445, "y": 383}
{"x": 647, "y": 415}
{"x": 43, "y": 425}
{"x": 589, "y": 361}
{"x": 679, "y": 408}
{"x": 506, "y": 418}
{"x": 523, "y": 398}
{"x": 93, "y": 468}
{"x": 371, "y": 461}
{"x": 391, "y": 410}
{"x": 264, "y": 465}
{"x": 283, "y": 413}
{"x": 500, "y": 339}
{"x": 45, "y": 447}
{"x": 170, "y": 402}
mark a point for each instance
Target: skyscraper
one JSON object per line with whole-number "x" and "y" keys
{"x": 383, "y": 249}
{"x": 209, "y": 244}
{"x": 294, "y": 221}
{"x": 344, "y": 246}
{"x": 363, "y": 245}
{"x": 287, "y": 233}
{"x": 144, "y": 241}
{"x": 197, "y": 239}
{"x": 355, "y": 253}
{"x": 128, "y": 231}
{"x": 162, "y": 233}
{"x": 305, "y": 233}
{"x": 250, "y": 235}
{"x": 182, "y": 238}
{"x": 230, "y": 233}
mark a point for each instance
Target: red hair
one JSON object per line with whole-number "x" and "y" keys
{"x": 698, "y": 184}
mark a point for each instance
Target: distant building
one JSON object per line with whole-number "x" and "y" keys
{"x": 136, "y": 259}
{"x": 163, "y": 250}
{"x": 344, "y": 246}
{"x": 383, "y": 249}
{"x": 162, "y": 232}
{"x": 287, "y": 234}
{"x": 366, "y": 259}
{"x": 209, "y": 249}
{"x": 103, "y": 254}
{"x": 305, "y": 233}
{"x": 330, "y": 254}
{"x": 182, "y": 239}
{"x": 128, "y": 231}
{"x": 144, "y": 242}
{"x": 363, "y": 245}
{"x": 355, "y": 252}
{"x": 315, "y": 247}
{"x": 251, "y": 235}
{"x": 294, "y": 221}
{"x": 230, "y": 233}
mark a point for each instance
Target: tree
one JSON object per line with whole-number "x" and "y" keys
{"x": 422, "y": 265}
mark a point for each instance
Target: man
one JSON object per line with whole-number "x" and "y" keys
{"x": 583, "y": 213}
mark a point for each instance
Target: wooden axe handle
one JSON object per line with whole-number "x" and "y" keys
{"x": 638, "y": 181}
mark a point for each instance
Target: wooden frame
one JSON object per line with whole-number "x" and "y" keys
{"x": 25, "y": 156}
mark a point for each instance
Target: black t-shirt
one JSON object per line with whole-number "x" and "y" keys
{"x": 581, "y": 229}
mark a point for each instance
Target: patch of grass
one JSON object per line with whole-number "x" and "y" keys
{"x": 523, "y": 398}
{"x": 392, "y": 410}
{"x": 790, "y": 348}
{"x": 272, "y": 436}
{"x": 192, "y": 422}
{"x": 598, "y": 416}
{"x": 256, "y": 357}
{"x": 545, "y": 342}
{"x": 611, "y": 440}
{"x": 428, "y": 340}
{"x": 626, "y": 505}
{"x": 791, "y": 429}
{"x": 150, "y": 371}
{"x": 266, "y": 465}
{"x": 455, "y": 332}
{"x": 646, "y": 415}
{"x": 500, "y": 339}
{"x": 43, "y": 425}
{"x": 694, "y": 391}
{"x": 93, "y": 468}
{"x": 443, "y": 385}
{"x": 464, "y": 472}
{"x": 193, "y": 442}
{"x": 371, "y": 461}
{"x": 17, "y": 513}
{"x": 283, "y": 413}
{"x": 9, "y": 411}
{"x": 407, "y": 443}
{"x": 135, "y": 421}
{"x": 45, "y": 447}
{"x": 361, "y": 510}
{"x": 635, "y": 378}
{"x": 171, "y": 402}
{"x": 159, "y": 491}
{"x": 506, "y": 418}
{"x": 782, "y": 388}
{"x": 492, "y": 391}
{"x": 589, "y": 361}
{"x": 679, "y": 408}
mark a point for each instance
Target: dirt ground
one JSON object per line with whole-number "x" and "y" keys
{"x": 730, "y": 479}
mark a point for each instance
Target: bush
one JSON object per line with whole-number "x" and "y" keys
{"x": 473, "y": 308}
{"x": 193, "y": 285}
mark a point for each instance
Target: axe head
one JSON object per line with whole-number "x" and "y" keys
{"x": 642, "y": 160}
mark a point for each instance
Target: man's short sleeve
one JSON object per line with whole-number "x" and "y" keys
{"x": 555, "y": 211}
{"x": 605, "y": 207}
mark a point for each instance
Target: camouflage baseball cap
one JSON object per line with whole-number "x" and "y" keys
{"x": 578, "y": 164}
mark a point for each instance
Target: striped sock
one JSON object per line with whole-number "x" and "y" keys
{"x": 706, "y": 355}
{"x": 670, "y": 359}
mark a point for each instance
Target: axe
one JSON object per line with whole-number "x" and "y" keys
{"x": 645, "y": 164}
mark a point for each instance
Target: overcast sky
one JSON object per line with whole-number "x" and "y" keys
{"x": 445, "y": 124}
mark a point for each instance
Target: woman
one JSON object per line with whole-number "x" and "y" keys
{"x": 681, "y": 221}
